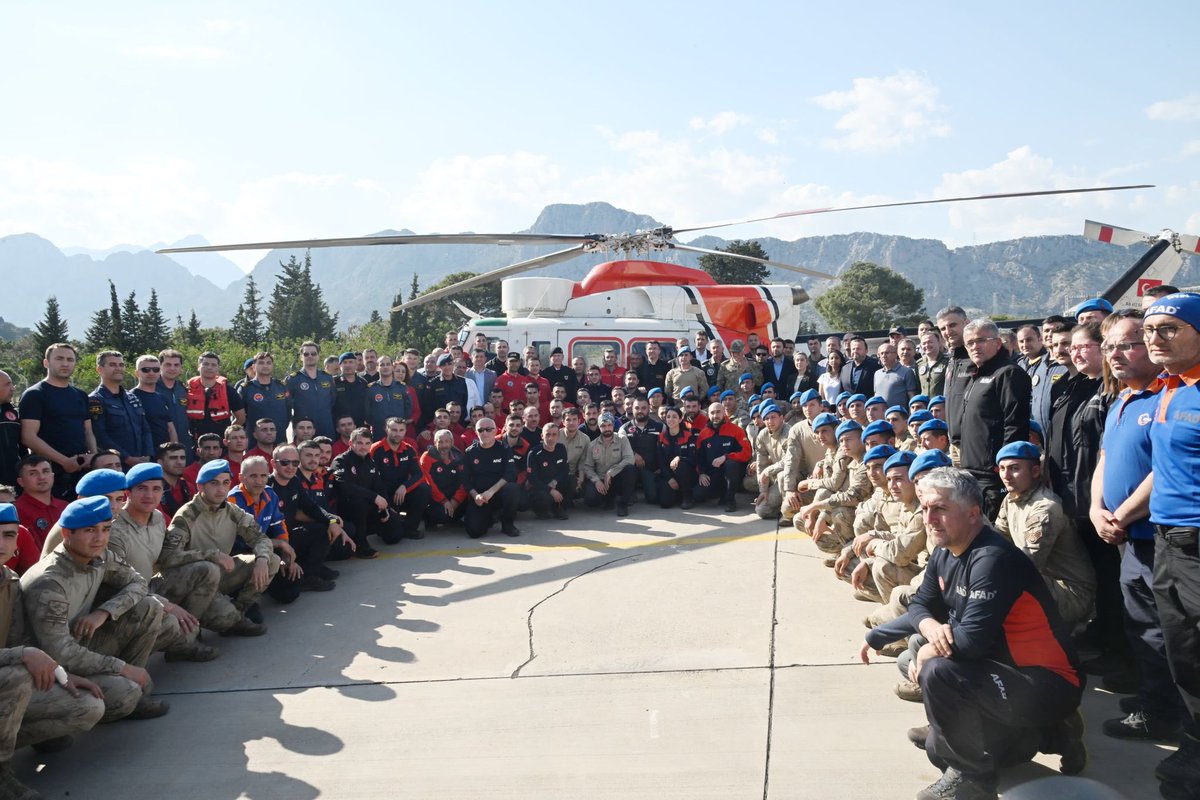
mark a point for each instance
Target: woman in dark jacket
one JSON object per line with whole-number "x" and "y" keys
{"x": 676, "y": 460}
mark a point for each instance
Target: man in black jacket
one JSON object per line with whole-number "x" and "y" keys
{"x": 361, "y": 497}
{"x": 951, "y": 322}
{"x": 858, "y": 375}
{"x": 548, "y": 484}
{"x": 642, "y": 432}
{"x": 490, "y": 476}
{"x": 992, "y": 410}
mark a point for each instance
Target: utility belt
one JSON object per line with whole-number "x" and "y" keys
{"x": 1178, "y": 536}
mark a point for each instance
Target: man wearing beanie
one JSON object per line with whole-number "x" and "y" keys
{"x": 60, "y": 594}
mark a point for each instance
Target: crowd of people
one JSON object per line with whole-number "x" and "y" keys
{"x": 1019, "y": 508}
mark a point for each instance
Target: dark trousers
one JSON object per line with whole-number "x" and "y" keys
{"x": 1107, "y": 628}
{"x": 415, "y": 502}
{"x": 539, "y": 500}
{"x": 503, "y": 507}
{"x": 339, "y": 550}
{"x": 620, "y": 489}
{"x": 435, "y": 514}
{"x": 1177, "y": 592}
{"x": 993, "y": 492}
{"x": 647, "y": 478}
{"x": 725, "y": 480}
{"x": 685, "y": 476}
{"x": 367, "y": 520}
{"x": 980, "y": 708}
{"x": 1157, "y": 689}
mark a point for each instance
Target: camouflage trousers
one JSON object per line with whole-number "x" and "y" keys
{"x": 223, "y": 613}
{"x": 1074, "y": 604}
{"x": 131, "y": 638}
{"x": 897, "y": 602}
{"x": 770, "y": 507}
{"x": 29, "y": 716}
{"x": 888, "y": 576}
{"x": 192, "y": 587}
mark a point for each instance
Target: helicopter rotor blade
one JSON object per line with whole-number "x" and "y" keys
{"x": 366, "y": 241}
{"x": 494, "y": 275}
{"x": 780, "y": 265}
{"x": 812, "y": 211}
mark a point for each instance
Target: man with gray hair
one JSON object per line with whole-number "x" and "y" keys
{"x": 999, "y": 676}
{"x": 992, "y": 410}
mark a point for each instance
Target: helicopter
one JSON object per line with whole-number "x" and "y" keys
{"x": 625, "y": 303}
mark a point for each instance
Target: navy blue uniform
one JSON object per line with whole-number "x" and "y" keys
{"x": 643, "y": 440}
{"x": 120, "y": 423}
{"x": 158, "y": 413}
{"x": 62, "y": 412}
{"x": 546, "y": 470}
{"x": 483, "y": 467}
{"x": 312, "y": 398}
{"x": 267, "y": 401}
{"x": 442, "y": 392}
{"x": 400, "y": 467}
{"x": 350, "y": 400}
{"x": 176, "y": 398}
{"x": 682, "y": 446}
{"x": 382, "y": 402}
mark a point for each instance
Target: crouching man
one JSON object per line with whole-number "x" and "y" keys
{"x": 110, "y": 642}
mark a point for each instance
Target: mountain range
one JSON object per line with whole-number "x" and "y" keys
{"x": 1024, "y": 277}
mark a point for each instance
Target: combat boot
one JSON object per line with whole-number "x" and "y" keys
{"x": 1183, "y": 766}
{"x": 1066, "y": 739}
{"x": 907, "y": 690}
{"x": 245, "y": 627}
{"x": 149, "y": 708}
{"x": 194, "y": 652}
{"x": 953, "y": 785}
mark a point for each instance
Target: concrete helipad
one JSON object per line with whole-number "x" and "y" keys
{"x": 664, "y": 655}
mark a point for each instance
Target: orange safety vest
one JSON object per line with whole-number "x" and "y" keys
{"x": 217, "y": 400}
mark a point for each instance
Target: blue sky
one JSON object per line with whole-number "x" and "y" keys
{"x": 140, "y": 122}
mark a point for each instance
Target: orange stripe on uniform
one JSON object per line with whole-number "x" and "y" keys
{"x": 1031, "y": 641}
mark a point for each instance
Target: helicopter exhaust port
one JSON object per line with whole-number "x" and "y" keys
{"x": 799, "y": 296}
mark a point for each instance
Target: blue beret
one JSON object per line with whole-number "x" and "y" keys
{"x": 876, "y": 400}
{"x": 1183, "y": 305}
{"x": 921, "y": 416}
{"x": 1095, "y": 304}
{"x": 896, "y": 410}
{"x": 879, "y": 426}
{"x": 769, "y": 408}
{"x": 822, "y": 420}
{"x": 654, "y": 391}
{"x": 797, "y": 396}
{"x": 880, "y": 452}
{"x": 932, "y": 426}
{"x": 247, "y": 364}
{"x": 901, "y": 459}
{"x": 347, "y": 356}
{"x": 754, "y": 409}
{"x": 1036, "y": 427}
{"x": 767, "y": 385}
{"x": 211, "y": 470}
{"x": 1023, "y": 450}
{"x": 842, "y": 396}
{"x": 685, "y": 349}
{"x": 685, "y": 391}
{"x": 937, "y": 400}
{"x": 746, "y": 376}
{"x": 849, "y": 426}
{"x": 856, "y": 398}
{"x": 728, "y": 393}
{"x": 712, "y": 390}
{"x": 85, "y": 512}
{"x": 100, "y": 481}
{"x": 921, "y": 398}
{"x": 810, "y": 395}
{"x": 142, "y": 473}
{"x": 8, "y": 514}
{"x": 754, "y": 398}
{"x": 930, "y": 459}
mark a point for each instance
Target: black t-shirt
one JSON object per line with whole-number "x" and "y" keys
{"x": 61, "y": 410}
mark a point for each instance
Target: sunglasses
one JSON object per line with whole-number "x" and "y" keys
{"x": 148, "y": 369}
{"x": 288, "y": 462}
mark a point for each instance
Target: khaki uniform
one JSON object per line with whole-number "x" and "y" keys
{"x": 900, "y": 553}
{"x": 679, "y": 379}
{"x": 769, "y": 452}
{"x": 28, "y": 716}
{"x": 1035, "y": 522}
{"x": 58, "y": 590}
{"x": 731, "y": 370}
{"x": 576, "y": 449}
{"x": 846, "y": 486}
{"x": 195, "y": 584}
{"x": 200, "y": 532}
{"x": 932, "y": 374}
{"x": 802, "y": 453}
{"x": 606, "y": 460}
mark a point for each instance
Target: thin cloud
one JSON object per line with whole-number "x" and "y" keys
{"x": 883, "y": 114}
{"x": 1182, "y": 109}
{"x": 721, "y": 123}
{"x": 176, "y": 52}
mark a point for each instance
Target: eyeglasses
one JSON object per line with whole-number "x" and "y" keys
{"x": 1166, "y": 332}
{"x": 287, "y": 462}
{"x": 761, "y": 354}
{"x": 487, "y": 429}
{"x": 1122, "y": 347}
{"x": 148, "y": 369}
{"x": 979, "y": 342}
{"x": 1079, "y": 348}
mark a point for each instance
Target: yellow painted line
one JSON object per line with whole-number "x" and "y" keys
{"x": 682, "y": 541}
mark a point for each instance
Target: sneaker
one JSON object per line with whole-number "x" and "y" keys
{"x": 315, "y": 583}
{"x": 953, "y": 785}
{"x": 622, "y": 509}
{"x": 1139, "y": 725}
{"x": 1066, "y": 739}
{"x": 894, "y": 649}
{"x": 365, "y": 551}
{"x": 254, "y": 613}
{"x": 918, "y": 736}
{"x": 194, "y": 652}
{"x": 328, "y": 573}
{"x": 245, "y": 627}
{"x": 508, "y": 529}
{"x": 907, "y": 690}
{"x": 55, "y": 745}
{"x": 1182, "y": 766}
{"x": 149, "y": 708}
{"x": 10, "y": 787}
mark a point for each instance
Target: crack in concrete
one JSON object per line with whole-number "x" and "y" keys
{"x": 516, "y": 673}
{"x": 771, "y": 667}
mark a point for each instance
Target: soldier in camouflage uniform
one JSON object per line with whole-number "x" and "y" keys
{"x": 769, "y": 451}
{"x": 869, "y": 517}
{"x": 895, "y": 555}
{"x": 829, "y": 519}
